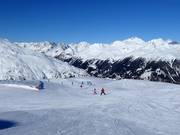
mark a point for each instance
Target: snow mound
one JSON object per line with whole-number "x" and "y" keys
{"x": 17, "y": 63}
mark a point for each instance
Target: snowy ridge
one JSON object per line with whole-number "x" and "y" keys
{"x": 17, "y": 63}
{"x": 135, "y": 47}
{"x": 133, "y": 58}
{"x": 37, "y": 46}
{"x": 155, "y": 60}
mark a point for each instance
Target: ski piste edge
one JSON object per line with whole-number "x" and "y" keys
{"x": 34, "y": 88}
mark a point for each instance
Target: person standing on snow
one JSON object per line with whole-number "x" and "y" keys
{"x": 103, "y": 91}
{"x": 81, "y": 84}
{"x": 95, "y": 92}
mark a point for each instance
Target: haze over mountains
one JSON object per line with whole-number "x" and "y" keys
{"x": 133, "y": 58}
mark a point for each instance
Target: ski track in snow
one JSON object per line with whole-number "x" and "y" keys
{"x": 19, "y": 86}
{"x": 131, "y": 107}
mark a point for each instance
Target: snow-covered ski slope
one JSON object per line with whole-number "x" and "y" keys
{"x": 130, "y": 107}
{"x": 18, "y": 63}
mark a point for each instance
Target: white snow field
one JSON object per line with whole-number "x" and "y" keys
{"x": 131, "y": 107}
{"x": 18, "y": 63}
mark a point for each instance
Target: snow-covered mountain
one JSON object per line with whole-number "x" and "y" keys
{"x": 132, "y": 47}
{"x": 17, "y": 63}
{"x": 156, "y": 60}
{"x": 38, "y": 46}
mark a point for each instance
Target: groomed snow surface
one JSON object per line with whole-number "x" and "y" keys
{"x": 130, "y": 107}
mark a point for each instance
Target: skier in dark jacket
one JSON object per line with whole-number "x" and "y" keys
{"x": 103, "y": 91}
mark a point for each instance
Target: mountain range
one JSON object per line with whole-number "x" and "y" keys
{"x": 133, "y": 58}
{"x": 17, "y": 63}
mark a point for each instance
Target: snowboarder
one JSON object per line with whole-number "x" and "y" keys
{"x": 72, "y": 83}
{"x": 103, "y": 91}
{"x": 81, "y": 85}
{"x": 95, "y": 92}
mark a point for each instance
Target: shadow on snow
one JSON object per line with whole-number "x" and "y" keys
{"x": 4, "y": 124}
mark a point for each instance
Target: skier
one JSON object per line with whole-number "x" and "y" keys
{"x": 81, "y": 84}
{"x": 103, "y": 91}
{"x": 95, "y": 92}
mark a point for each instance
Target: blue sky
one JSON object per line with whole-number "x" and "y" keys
{"x": 89, "y": 20}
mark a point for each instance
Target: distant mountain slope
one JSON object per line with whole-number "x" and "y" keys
{"x": 156, "y": 60}
{"x": 17, "y": 63}
{"x": 133, "y": 47}
{"x": 37, "y": 46}
{"x": 130, "y": 68}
